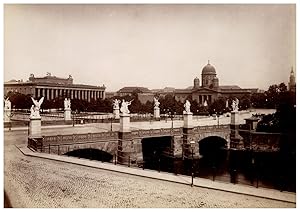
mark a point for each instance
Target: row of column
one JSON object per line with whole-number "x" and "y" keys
{"x": 50, "y": 93}
{"x": 202, "y": 99}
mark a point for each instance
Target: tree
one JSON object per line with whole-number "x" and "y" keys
{"x": 218, "y": 106}
{"x": 20, "y": 101}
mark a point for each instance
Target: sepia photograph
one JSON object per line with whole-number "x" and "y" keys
{"x": 149, "y": 105}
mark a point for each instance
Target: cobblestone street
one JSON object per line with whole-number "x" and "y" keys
{"x": 36, "y": 182}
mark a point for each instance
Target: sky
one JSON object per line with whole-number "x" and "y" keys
{"x": 154, "y": 46}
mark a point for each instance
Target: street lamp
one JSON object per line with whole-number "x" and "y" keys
{"x": 74, "y": 117}
{"x": 192, "y": 143}
{"x": 170, "y": 115}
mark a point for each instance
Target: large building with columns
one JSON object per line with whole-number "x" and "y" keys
{"x": 210, "y": 90}
{"x": 52, "y": 87}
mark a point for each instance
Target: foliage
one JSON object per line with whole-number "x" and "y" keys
{"x": 19, "y": 101}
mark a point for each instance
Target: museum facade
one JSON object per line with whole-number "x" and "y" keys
{"x": 52, "y": 87}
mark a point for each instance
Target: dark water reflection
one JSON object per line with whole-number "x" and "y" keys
{"x": 259, "y": 169}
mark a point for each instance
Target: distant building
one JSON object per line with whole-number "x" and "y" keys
{"x": 210, "y": 89}
{"x": 292, "y": 83}
{"x": 52, "y": 87}
{"x": 110, "y": 94}
{"x": 131, "y": 90}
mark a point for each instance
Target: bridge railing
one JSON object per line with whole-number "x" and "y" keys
{"x": 212, "y": 127}
{"x": 156, "y": 132}
{"x": 77, "y": 138}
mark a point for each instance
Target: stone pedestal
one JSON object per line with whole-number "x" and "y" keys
{"x": 67, "y": 115}
{"x": 234, "y": 118}
{"x": 156, "y": 113}
{"x": 124, "y": 123}
{"x": 7, "y": 115}
{"x": 235, "y": 138}
{"x": 125, "y": 140}
{"x": 187, "y": 120}
{"x": 35, "y": 127}
{"x": 116, "y": 113}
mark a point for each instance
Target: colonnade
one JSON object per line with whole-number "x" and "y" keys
{"x": 82, "y": 94}
{"x": 202, "y": 99}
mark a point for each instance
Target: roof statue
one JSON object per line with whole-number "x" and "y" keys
{"x": 124, "y": 106}
{"x": 187, "y": 106}
{"x": 156, "y": 103}
{"x": 116, "y": 103}
{"x": 35, "y": 108}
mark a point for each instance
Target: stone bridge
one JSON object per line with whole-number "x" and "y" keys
{"x": 129, "y": 144}
{"x": 176, "y": 142}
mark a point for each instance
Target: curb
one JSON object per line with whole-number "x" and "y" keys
{"x": 186, "y": 180}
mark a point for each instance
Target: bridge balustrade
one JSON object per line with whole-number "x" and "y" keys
{"x": 156, "y": 132}
{"x": 77, "y": 138}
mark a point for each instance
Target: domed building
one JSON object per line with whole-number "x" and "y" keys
{"x": 209, "y": 76}
{"x": 210, "y": 89}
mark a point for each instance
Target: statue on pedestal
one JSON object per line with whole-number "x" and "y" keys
{"x": 205, "y": 103}
{"x": 187, "y": 106}
{"x": 235, "y": 105}
{"x": 124, "y": 107}
{"x": 7, "y": 104}
{"x": 67, "y": 104}
{"x": 35, "y": 108}
{"x": 116, "y": 103}
{"x": 156, "y": 103}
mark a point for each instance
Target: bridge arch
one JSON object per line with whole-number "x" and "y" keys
{"x": 92, "y": 154}
{"x": 223, "y": 135}
{"x": 156, "y": 149}
{"x": 213, "y": 150}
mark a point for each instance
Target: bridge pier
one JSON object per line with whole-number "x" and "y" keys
{"x": 235, "y": 138}
{"x": 188, "y": 137}
{"x": 125, "y": 150}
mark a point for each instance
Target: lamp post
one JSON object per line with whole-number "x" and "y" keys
{"x": 171, "y": 116}
{"x": 218, "y": 115}
{"x": 74, "y": 117}
{"x": 111, "y": 119}
{"x": 10, "y": 115}
{"x": 192, "y": 143}
{"x": 166, "y": 111}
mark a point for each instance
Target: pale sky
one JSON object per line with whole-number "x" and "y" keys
{"x": 153, "y": 46}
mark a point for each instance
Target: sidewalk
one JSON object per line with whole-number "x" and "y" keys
{"x": 199, "y": 182}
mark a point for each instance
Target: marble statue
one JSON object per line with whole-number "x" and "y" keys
{"x": 7, "y": 104}
{"x": 235, "y": 104}
{"x": 116, "y": 103}
{"x": 67, "y": 103}
{"x": 156, "y": 103}
{"x": 227, "y": 104}
{"x": 35, "y": 108}
{"x": 205, "y": 103}
{"x": 187, "y": 106}
{"x": 124, "y": 107}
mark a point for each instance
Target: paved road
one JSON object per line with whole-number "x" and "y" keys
{"x": 36, "y": 182}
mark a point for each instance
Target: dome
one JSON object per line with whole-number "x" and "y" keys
{"x": 208, "y": 69}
